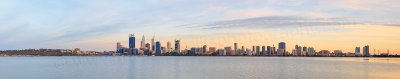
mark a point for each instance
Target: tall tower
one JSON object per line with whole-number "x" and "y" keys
{"x": 177, "y": 46}
{"x": 357, "y": 50}
{"x": 273, "y": 49}
{"x": 132, "y": 41}
{"x": 269, "y": 50}
{"x": 143, "y": 45}
{"x": 282, "y": 45}
{"x": 366, "y": 50}
{"x": 235, "y": 47}
{"x": 242, "y": 51}
{"x": 304, "y": 51}
{"x": 119, "y": 46}
{"x": 169, "y": 46}
{"x": 158, "y": 47}
{"x": 257, "y": 50}
{"x": 152, "y": 42}
{"x": 263, "y": 50}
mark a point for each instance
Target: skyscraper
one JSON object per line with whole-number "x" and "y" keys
{"x": 282, "y": 45}
{"x": 268, "y": 50}
{"x": 119, "y": 46}
{"x": 263, "y": 50}
{"x": 204, "y": 49}
{"x": 242, "y": 49}
{"x": 273, "y": 49}
{"x": 298, "y": 50}
{"x": 132, "y": 41}
{"x": 257, "y": 50}
{"x": 143, "y": 44}
{"x": 158, "y": 47}
{"x": 169, "y": 46}
{"x": 228, "y": 50}
{"x": 366, "y": 50}
{"x": 311, "y": 51}
{"x": 254, "y": 50}
{"x": 357, "y": 51}
{"x": 235, "y": 47}
{"x": 152, "y": 42}
{"x": 304, "y": 51}
{"x": 177, "y": 46}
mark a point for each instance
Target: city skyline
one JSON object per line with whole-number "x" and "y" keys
{"x": 97, "y": 25}
{"x": 280, "y": 50}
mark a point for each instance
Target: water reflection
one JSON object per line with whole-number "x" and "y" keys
{"x": 198, "y": 68}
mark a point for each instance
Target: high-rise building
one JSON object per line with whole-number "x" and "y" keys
{"x": 257, "y": 50}
{"x": 153, "y": 43}
{"x": 169, "y": 46}
{"x": 282, "y": 45}
{"x": 143, "y": 43}
{"x": 221, "y": 52}
{"x": 366, "y": 50}
{"x": 119, "y": 46}
{"x": 273, "y": 50}
{"x": 204, "y": 49}
{"x": 254, "y": 49}
{"x": 248, "y": 51}
{"x": 357, "y": 51}
{"x": 298, "y": 50}
{"x": 304, "y": 51}
{"x": 269, "y": 50}
{"x": 158, "y": 47}
{"x": 242, "y": 52}
{"x": 235, "y": 47}
{"x": 311, "y": 51}
{"x": 192, "y": 50}
{"x": 132, "y": 41}
{"x": 263, "y": 50}
{"x": 177, "y": 46}
{"x": 228, "y": 50}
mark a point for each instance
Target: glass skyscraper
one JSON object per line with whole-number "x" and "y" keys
{"x": 132, "y": 41}
{"x": 282, "y": 45}
{"x": 158, "y": 47}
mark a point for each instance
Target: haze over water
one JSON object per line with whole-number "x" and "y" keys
{"x": 190, "y": 67}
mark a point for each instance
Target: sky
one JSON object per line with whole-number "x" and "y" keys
{"x": 99, "y": 24}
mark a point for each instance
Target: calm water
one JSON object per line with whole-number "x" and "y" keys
{"x": 198, "y": 68}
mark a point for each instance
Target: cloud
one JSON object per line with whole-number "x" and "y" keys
{"x": 275, "y": 22}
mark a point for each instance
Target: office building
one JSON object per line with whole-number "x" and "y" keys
{"x": 257, "y": 50}
{"x": 204, "y": 51}
{"x": 357, "y": 51}
{"x": 282, "y": 45}
{"x": 131, "y": 41}
{"x": 158, "y": 47}
{"x": 177, "y": 46}
{"x": 169, "y": 46}
{"x": 366, "y": 50}
{"x": 269, "y": 50}
{"x": 143, "y": 43}
{"x": 152, "y": 43}
{"x": 228, "y": 50}
{"x": 263, "y": 50}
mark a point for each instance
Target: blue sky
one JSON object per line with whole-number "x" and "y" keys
{"x": 99, "y": 24}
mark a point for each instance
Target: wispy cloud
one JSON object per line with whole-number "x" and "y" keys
{"x": 275, "y": 22}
